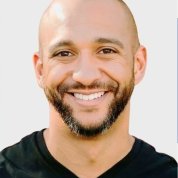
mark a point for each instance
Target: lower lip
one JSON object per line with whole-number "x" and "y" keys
{"x": 86, "y": 103}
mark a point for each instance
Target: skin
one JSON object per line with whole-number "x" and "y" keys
{"x": 82, "y": 23}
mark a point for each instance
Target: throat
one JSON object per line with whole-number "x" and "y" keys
{"x": 96, "y": 153}
{"x": 92, "y": 155}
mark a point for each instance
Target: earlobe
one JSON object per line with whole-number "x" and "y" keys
{"x": 140, "y": 61}
{"x": 38, "y": 66}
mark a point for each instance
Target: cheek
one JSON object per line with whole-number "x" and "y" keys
{"x": 56, "y": 74}
{"x": 119, "y": 72}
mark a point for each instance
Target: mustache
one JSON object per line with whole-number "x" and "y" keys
{"x": 109, "y": 86}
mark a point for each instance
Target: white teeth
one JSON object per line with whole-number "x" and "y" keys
{"x": 88, "y": 97}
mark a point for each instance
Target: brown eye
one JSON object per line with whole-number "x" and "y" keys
{"x": 64, "y": 54}
{"x": 107, "y": 51}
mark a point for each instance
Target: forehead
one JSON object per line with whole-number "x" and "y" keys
{"x": 83, "y": 20}
{"x": 64, "y": 8}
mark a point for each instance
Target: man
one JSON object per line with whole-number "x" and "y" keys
{"x": 89, "y": 60}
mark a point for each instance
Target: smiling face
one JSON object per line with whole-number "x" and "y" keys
{"x": 88, "y": 63}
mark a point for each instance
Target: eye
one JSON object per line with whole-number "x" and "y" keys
{"x": 107, "y": 51}
{"x": 64, "y": 54}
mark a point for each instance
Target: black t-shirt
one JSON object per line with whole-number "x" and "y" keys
{"x": 30, "y": 158}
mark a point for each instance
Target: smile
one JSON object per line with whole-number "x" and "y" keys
{"x": 89, "y": 97}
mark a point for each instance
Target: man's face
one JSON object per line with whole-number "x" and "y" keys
{"x": 88, "y": 64}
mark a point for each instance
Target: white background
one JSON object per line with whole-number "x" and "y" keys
{"x": 23, "y": 107}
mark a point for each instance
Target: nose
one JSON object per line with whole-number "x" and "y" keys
{"x": 87, "y": 71}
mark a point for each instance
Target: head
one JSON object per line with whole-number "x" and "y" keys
{"x": 88, "y": 62}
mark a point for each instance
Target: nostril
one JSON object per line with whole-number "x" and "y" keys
{"x": 86, "y": 78}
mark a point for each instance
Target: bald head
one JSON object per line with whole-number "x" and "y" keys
{"x": 62, "y": 12}
{"x": 89, "y": 46}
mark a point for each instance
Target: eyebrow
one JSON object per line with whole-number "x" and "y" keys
{"x": 98, "y": 40}
{"x": 110, "y": 40}
{"x": 60, "y": 44}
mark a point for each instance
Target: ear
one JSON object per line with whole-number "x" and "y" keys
{"x": 38, "y": 66}
{"x": 140, "y": 61}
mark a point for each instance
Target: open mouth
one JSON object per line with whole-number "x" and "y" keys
{"x": 88, "y": 97}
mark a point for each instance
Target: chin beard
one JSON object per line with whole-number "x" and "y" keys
{"x": 121, "y": 98}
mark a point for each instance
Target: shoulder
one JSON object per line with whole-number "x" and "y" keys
{"x": 13, "y": 158}
{"x": 3, "y": 170}
{"x": 156, "y": 164}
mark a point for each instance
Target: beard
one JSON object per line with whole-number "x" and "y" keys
{"x": 115, "y": 108}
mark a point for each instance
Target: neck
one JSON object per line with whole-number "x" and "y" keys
{"x": 90, "y": 154}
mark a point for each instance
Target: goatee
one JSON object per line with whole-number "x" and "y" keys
{"x": 115, "y": 108}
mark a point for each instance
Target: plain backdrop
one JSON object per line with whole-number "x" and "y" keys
{"x": 23, "y": 106}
